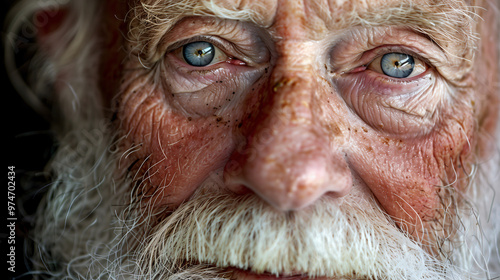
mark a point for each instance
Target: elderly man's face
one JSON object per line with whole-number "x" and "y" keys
{"x": 293, "y": 101}
{"x": 284, "y": 129}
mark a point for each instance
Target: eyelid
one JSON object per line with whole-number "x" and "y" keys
{"x": 228, "y": 48}
{"x": 219, "y": 56}
{"x": 378, "y": 52}
{"x": 178, "y": 44}
{"x": 420, "y": 66}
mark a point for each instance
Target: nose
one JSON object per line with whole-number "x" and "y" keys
{"x": 287, "y": 157}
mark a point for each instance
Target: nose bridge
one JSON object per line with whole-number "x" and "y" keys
{"x": 289, "y": 112}
{"x": 292, "y": 100}
{"x": 289, "y": 159}
{"x": 293, "y": 85}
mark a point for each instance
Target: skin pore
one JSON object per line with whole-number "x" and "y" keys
{"x": 293, "y": 109}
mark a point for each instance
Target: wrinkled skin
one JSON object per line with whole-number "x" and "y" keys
{"x": 298, "y": 113}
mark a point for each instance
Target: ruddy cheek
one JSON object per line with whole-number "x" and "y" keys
{"x": 401, "y": 176}
{"x": 168, "y": 154}
{"x": 413, "y": 178}
{"x": 185, "y": 159}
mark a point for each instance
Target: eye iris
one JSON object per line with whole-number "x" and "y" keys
{"x": 397, "y": 65}
{"x": 198, "y": 53}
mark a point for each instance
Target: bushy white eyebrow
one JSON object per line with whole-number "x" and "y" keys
{"x": 450, "y": 24}
{"x": 150, "y": 20}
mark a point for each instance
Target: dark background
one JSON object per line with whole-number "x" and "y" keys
{"x": 29, "y": 146}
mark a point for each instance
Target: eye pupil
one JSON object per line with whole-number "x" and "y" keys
{"x": 397, "y": 65}
{"x": 199, "y": 53}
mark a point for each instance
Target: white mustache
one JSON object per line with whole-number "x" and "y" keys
{"x": 352, "y": 238}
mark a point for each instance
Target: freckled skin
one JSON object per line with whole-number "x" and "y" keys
{"x": 290, "y": 137}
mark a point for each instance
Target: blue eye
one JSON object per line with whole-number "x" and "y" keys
{"x": 397, "y": 65}
{"x": 199, "y": 53}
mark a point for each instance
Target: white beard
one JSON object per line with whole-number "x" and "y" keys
{"x": 88, "y": 228}
{"x": 352, "y": 239}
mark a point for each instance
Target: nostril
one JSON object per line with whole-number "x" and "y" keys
{"x": 234, "y": 179}
{"x": 290, "y": 169}
{"x": 346, "y": 184}
{"x": 232, "y": 170}
{"x": 289, "y": 181}
{"x": 239, "y": 189}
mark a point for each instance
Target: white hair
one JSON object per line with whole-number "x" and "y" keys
{"x": 87, "y": 225}
{"x": 77, "y": 53}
